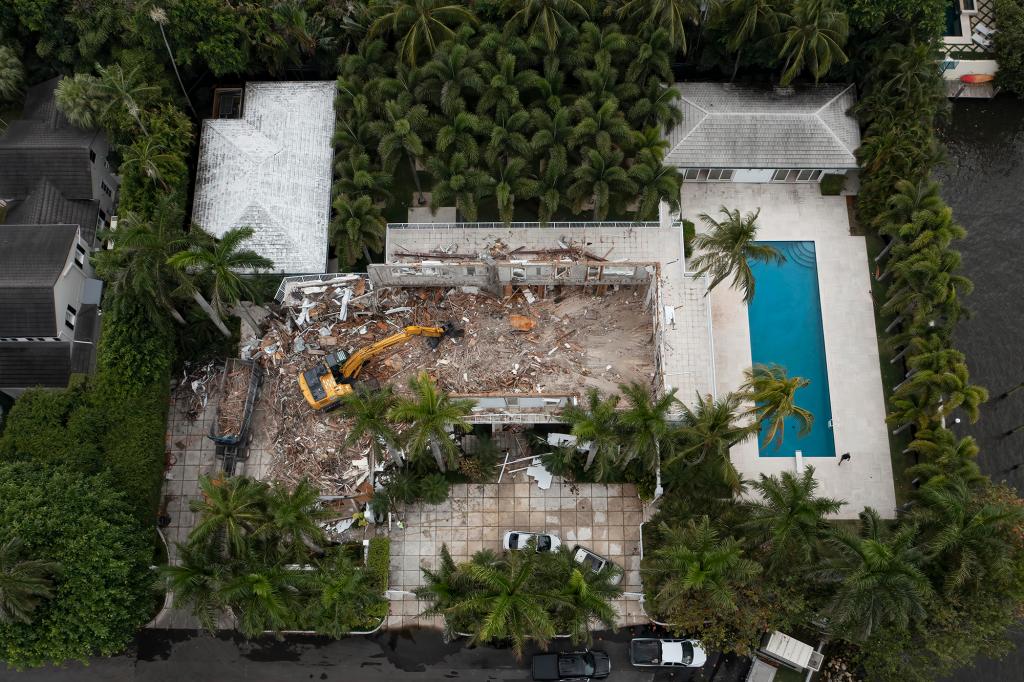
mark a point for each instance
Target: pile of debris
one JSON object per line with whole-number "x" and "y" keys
{"x": 498, "y": 250}
{"x": 231, "y": 408}
{"x": 194, "y": 386}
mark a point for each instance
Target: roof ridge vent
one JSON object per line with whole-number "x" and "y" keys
{"x": 783, "y": 91}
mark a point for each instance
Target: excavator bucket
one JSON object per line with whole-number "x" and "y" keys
{"x": 449, "y": 330}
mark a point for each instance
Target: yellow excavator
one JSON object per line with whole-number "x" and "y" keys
{"x": 328, "y": 382}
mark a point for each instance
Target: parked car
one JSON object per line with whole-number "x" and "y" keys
{"x": 573, "y": 665}
{"x": 595, "y": 562}
{"x": 647, "y": 652}
{"x": 517, "y": 539}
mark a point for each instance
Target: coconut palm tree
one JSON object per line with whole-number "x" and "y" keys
{"x": 356, "y": 176}
{"x": 505, "y": 602}
{"x": 431, "y": 415}
{"x": 368, "y": 411}
{"x": 230, "y": 511}
{"x": 159, "y": 17}
{"x": 459, "y": 135}
{"x": 646, "y": 425}
{"x": 967, "y": 535}
{"x": 263, "y": 597}
{"x": 136, "y": 268}
{"x": 458, "y": 181}
{"x": 450, "y": 76}
{"x": 727, "y": 249}
{"x": 877, "y": 578}
{"x": 292, "y": 520}
{"x": 357, "y": 228}
{"x": 773, "y": 394}
{"x": 12, "y": 74}
{"x": 124, "y": 90}
{"x": 672, "y": 16}
{"x": 602, "y": 182}
{"x": 751, "y": 19}
{"x": 789, "y": 520}
{"x": 597, "y": 424}
{"x": 220, "y": 261}
{"x": 344, "y": 596}
{"x": 814, "y": 40}
{"x": 709, "y": 430}
{"x": 23, "y": 582}
{"x": 551, "y": 20}
{"x": 399, "y": 133}
{"x": 196, "y": 579}
{"x": 422, "y": 24}
{"x": 151, "y": 160}
{"x": 696, "y": 563}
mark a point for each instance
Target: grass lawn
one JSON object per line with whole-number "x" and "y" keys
{"x": 892, "y": 373}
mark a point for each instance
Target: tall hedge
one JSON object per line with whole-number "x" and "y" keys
{"x": 1009, "y": 45}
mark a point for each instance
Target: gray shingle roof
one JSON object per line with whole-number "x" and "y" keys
{"x": 741, "y": 126}
{"x": 47, "y": 205}
{"x": 271, "y": 170}
{"x": 38, "y": 363}
{"x": 31, "y": 259}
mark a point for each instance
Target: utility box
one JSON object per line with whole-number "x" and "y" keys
{"x": 790, "y": 652}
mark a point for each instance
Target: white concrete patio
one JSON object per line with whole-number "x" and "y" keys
{"x": 799, "y": 212}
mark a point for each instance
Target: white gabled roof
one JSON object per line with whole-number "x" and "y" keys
{"x": 271, "y": 170}
{"x": 742, "y": 126}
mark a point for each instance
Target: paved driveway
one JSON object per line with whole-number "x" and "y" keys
{"x": 604, "y": 518}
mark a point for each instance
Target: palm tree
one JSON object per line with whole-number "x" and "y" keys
{"x": 789, "y": 520}
{"x": 598, "y": 425}
{"x": 263, "y": 598}
{"x": 709, "y": 430}
{"x": 357, "y": 228}
{"x": 814, "y": 40}
{"x": 549, "y": 19}
{"x": 458, "y": 180}
{"x": 656, "y": 105}
{"x": 600, "y": 128}
{"x": 159, "y": 17}
{"x": 601, "y": 181}
{"x": 601, "y": 80}
{"x": 458, "y": 135}
{"x": 292, "y": 520}
{"x": 124, "y": 91}
{"x": 344, "y": 596}
{"x": 511, "y": 180}
{"x": 445, "y": 588}
{"x": 646, "y": 424}
{"x": 656, "y": 182}
{"x": 504, "y": 83}
{"x": 12, "y": 74}
{"x": 944, "y": 454}
{"x": 728, "y": 247}
{"x": 653, "y": 59}
{"x": 450, "y": 76}
{"x": 431, "y": 415}
{"x": 507, "y": 138}
{"x": 220, "y": 261}
{"x": 505, "y": 603}
{"x": 230, "y": 511}
{"x": 150, "y": 158}
{"x": 752, "y": 18}
{"x": 23, "y": 582}
{"x": 696, "y": 563}
{"x": 550, "y": 143}
{"x": 357, "y": 176}
{"x": 877, "y": 576}
{"x": 399, "y": 134}
{"x": 78, "y": 100}
{"x": 584, "y": 598}
{"x": 548, "y": 189}
{"x": 773, "y": 394}
{"x": 136, "y": 268}
{"x": 196, "y": 580}
{"x": 967, "y": 534}
{"x": 668, "y": 15}
{"x": 368, "y": 411}
{"x": 424, "y": 24}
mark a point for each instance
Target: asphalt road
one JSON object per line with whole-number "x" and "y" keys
{"x": 413, "y": 655}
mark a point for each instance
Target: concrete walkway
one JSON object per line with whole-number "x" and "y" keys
{"x": 799, "y": 212}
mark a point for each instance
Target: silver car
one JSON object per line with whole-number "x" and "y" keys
{"x": 595, "y": 562}
{"x": 518, "y": 539}
{"x": 648, "y": 652}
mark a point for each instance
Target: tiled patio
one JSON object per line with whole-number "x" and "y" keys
{"x": 605, "y": 519}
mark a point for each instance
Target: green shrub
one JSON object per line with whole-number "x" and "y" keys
{"x": 378, "y": 569}
{"x": 1009, "y": 45}
{"x": 433, "y": 489}
{"x": 102, "y": 592}
{"x": 832, "y": 184}
{"x": 689, "y": 232}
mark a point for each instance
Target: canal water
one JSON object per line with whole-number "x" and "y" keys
{"x": 983, "y": 181}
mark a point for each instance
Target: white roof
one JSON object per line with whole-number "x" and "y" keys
{"x": 671, "y": 652}
{"x": 787, "y": 648}
{"x": 742, "y": 126}
{"x": 271, "y": 170}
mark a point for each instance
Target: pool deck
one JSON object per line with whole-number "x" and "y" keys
{"x": 799, "y": 212}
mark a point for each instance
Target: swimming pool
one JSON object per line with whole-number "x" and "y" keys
{"x": 785, "y": 329}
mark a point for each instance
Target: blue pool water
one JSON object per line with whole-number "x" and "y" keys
{"x": 785, "y": 329}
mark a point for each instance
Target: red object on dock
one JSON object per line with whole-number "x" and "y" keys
{"x": 977, "y": 78}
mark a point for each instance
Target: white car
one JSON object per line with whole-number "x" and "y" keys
{"x": 517, "y": 539}
{"x": 648, "y": 652}
{"x": 595, "y": 562}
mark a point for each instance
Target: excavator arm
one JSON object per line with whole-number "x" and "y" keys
{"x": 354, "y": 364}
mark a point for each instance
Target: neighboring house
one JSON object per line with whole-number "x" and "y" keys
{"x": 271, "y": 170}
{"x": 52, "y": 173}
{"x": 741, "y": 133}
{"x": 48, "y": 306}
